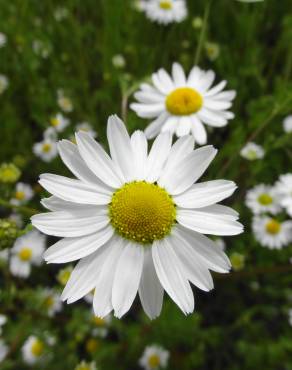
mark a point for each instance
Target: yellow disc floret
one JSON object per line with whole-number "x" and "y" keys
{"x": 273, "y": 227}
{"x": 55, "y": 122}
{"x": 46, "y": 147}
{"x": 184, "y": 101}
{"x": 165, "y": 4}
{"x": 142, "y": 212}
{"x": 19, "y": 195}
{"x": 154, "y": 361}
{"x": 37, "y": 348}
{"x": 265, "y": 199}
{"x": 25, "y": 254}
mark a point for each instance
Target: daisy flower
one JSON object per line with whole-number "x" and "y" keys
{"x": 165, "y": 11}
{"x": 23, "y": 193}
{"x": 212, "y": 50}
{"x": 272, "y": 233}
{"x": 154, "y": 357}
{"x": 46, "y": 150}
{"x": 59, "y": 122}
{"x": 3, "y": 320}
{"x": 3, "y": 350}
{"x": 64, "y": 275}
{"x": 3, "y": 39}
{"x": 4, "y": 82}
{"x": 50, "y": 133}
{"x": 284, "y": 187}
{"x": 64, "y": 102}
{"x": 135, "y": 220}
{"x": 86, "y": 127}
{"x": 252, "y": 151}
{"x": 51, "y": 301}
{"x": 26, "y": 251}
{"x": 263, "y": 198}
{"x": 32, "y": 350}
{"x": 86, "y": 366}
{"x": 237, "y": 261}
{"x": 101, "y": 325}
{"x": 181, "y": 105}
{"x": 287, "y": 124}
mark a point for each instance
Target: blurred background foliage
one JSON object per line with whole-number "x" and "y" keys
{"x": 70, "y": 45}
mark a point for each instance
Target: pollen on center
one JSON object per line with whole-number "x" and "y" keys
{"x": 184, "y": 101}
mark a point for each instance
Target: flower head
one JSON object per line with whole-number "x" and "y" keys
{"x": 125, "y": 216}
{"x": 154, "y": 357}
{"x": 165, "y": 11}
{"x": 33, "y": 350}
{"x": 59, "y": 122}
{"x": 287, "y": 124}
{"x": 46, "y": 149}
{"x": 284, "y": 187}
{"x": 181, "y": 104}
{"x": 252, "y": 151}
{"x": 4, "y": 82}
{"x": 23, "y": 193}
{"x": 51, "y": 301}
{"x": 263, "y": 198}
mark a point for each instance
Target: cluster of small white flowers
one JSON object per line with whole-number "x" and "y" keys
{"x": 266, "y": 201}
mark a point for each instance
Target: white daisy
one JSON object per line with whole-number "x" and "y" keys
{"x": 252, "y": 151}
{"x": 59, "y": 122}
{"x": 263, "y": 198}
{"x": 3, "y": 39}
{"x": 64, "y": 102}
{"x": 32, "y": 350}
{"x": 154, "y": 357}
{"x": 284, "y": 187}
{"x": 26, "y": 251}
{"x": 3, "y": 321}
{"x": 86, "y": 127}
{"x": 181, "y": 105}
{"x": 101, "y": 325}
{"x": 272, "y": 233}
{"x": 125, "y": 216}
{"x": 51, "y": 301}
{"x": 290, "y": 317}
{"x": 23, "y": 193}
{"x": 3, "y": 350}
{"x": 46, "y": 150}
{"x": 165, "y": 11}
{"x": 212, "y": 50}
{"x": 4, "y": 82}
{"x": 287, "y": 124}
{"x": 50, "y": 133}
{"x": 61, "y": 13}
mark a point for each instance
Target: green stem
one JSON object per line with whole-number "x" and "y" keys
{"x": 22, "y": 209}
{"x": 203, "y": 32}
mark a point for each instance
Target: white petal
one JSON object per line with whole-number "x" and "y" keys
{"x": 71, "y": 224}
{"x": 154, "y": 127}
{"x": 184, "y": 126}
{"x": 150, "y": 289}
{"x": 163, "y": 88}
{"x": 148, "y": 110}
{"x": 225, "y": 95}
{"x": 165, "y": 79}
{"x": 188, "y": 170}
{"x": 85, "y": 274}
{"x": 127, "y": 278}
{"x": 198, "y": 130}
{"x": 205, "y": 193}
{"x": 71, "y": 249}
{"x": 208, "y": 223}
{"x": 194, "y": 76}
{"x": 211, "y": 118}
{"x": 73, "y": 190}
{"x": 157, "y": 156}
{"x": 102, "y": 303}
{"x": 216, "y": 89}
{"x": 170, "y": 273}
{"x": 171, "y": 124}
{"x": 98, "y": 160}
{"x": 217, "y": 104}
{"x": 140, "y": 151}
{"x": 120, "y": 146}
{"x": 208, "y": 252}
{"x": 54, "y": 203}
{"x": 149, "y": 97}
{"x": 207, "y": 80}
{"x": 178, "y": 75}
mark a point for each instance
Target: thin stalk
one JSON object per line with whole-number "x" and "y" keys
{"x": 203, "y": 32}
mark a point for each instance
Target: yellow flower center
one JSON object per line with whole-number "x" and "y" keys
{"x": 265, "y": 199}
{"x": 166, "y": 5}
{"x": 37, "y": 348}
{"x": 184, "y": 101}
{"x": 47, "y": 147}
{"x": 19, "y": 195}
{"x": 98, "y": 321}
{"x": 273, "y": 227}
{"x": 91, "y": 345}
{"x": 252, "y": 154}
{"x": 153, "y": 361}
{"x": 49, "y": 301}
{"x": 25, "y": 254}
{"x": 142, "y": 212}
{"x": 55, "y": 122}
{"x": 64, "y": 276}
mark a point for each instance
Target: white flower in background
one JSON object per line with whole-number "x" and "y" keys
{"x": 86, "y": 366}
{"x": 272, "y": 233}
{"x": 64, "y": 275}
{"x": 212, "y": 50}
{"x": 3, "y": 350}
{"x": 64, "y": 102}
{"x": 32, "y": 350}
{"x": 237, "y": 261}
{"x": 125, "y": 216}
{"x": 263, "y": 198}
{"x": 3, "y": 321}
{"x": 59, "y": 122}
{"x": 154, "y": 357}
{"x": 4, "y": 82}
{"x": 284, "y": 187}
{"x": 50, "y": 133}
{"x": 252, "y": 151}
{"x": 220, "y": 243}
{"x": 46, "y": 150}
{"x": 61, "y": 13}
{"x": 51, "y": 301}
{"x": 119, "y": 61}
{"x": 181, "y": 105}
{"x": 4, "y": 255}
{"x": 17, "y": 218}
{"x": 100, "y": 326}
{"x": 40, "y": 48}
{"x": 165, "y": 11}
{"x": 3, "y": 39}
{"x": 290, "y": 317}
{"x": 86, "y": 127}
{"x": 26, "y": 251}
{"x": 287, "y": 124}
{"x": 23, "y": 193}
